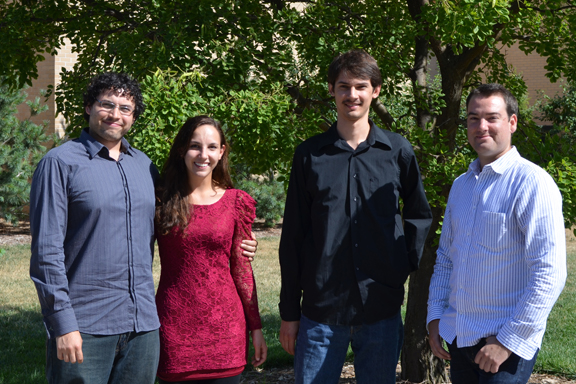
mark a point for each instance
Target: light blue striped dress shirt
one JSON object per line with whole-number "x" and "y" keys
{"x": 501, "y": 262}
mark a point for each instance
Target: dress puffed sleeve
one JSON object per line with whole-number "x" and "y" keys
{"x": 240, "y": 266}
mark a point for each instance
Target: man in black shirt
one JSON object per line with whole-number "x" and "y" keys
{"x": 346, "y": 248}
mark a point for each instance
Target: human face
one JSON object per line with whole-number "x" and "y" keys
{"x": 204, "y": 152}
{"x": 353, "y": 97}
{"x": 490, "y": 128}
{"x": 108, "y": 127}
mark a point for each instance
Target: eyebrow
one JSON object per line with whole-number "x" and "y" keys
{"x": 197, "y": 142}
{"x": 122, "y": 105}
{"x": 362, "y": 82}
{"x": 489, "y": 114}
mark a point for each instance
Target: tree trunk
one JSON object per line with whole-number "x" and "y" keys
{"x": 418, "y": 363}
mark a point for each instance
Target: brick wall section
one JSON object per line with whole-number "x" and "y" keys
{"x": 49, "y": 73}
{"x": 531, "y": 67}
{"x": 45, "y": 77}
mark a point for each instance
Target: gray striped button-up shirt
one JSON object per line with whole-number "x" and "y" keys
{"x": 92, "y": 224}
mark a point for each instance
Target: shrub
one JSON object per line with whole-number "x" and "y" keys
{"x": 561, "y": 109}
{"x": 21, "y": 149}
{"x": 268, "y": 192}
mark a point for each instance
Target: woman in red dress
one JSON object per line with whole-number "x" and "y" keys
{"x": 207, "y": 295}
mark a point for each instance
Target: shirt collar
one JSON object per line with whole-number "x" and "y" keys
{"x": 499, "y": 165}
{"x": 331, "y": 137}
{"x": 93, "y": 146}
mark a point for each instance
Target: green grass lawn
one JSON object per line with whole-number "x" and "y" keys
{"x": 558, "y": 353}
{"x": 22, "y": 334}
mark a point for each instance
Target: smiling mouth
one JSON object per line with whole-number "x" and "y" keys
{"x": 113, "y": 124}
{"x": 203, "y": 165}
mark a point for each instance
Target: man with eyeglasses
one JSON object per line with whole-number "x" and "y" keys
{"x": 92, "y": 211}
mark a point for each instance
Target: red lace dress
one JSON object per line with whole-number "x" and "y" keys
{"x": 207, "y": 296}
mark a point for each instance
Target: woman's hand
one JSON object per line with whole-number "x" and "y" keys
{"x": 260, "y": 348}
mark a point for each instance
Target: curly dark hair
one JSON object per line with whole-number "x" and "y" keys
{"x": 356, "y": 63}
{"x": 172, "y": 208}
{"x": 491, "y": 89}
{"x": 121, "y": 84}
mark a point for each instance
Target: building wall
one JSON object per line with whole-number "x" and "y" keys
{"x": 49, "y": 74}
{"x": 531, "y": 67}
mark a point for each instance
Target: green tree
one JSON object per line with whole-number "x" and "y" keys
{"x": 259, "y": 123}
{"x": 561, "y": 111}
{"x": 252, "y": 54}
{"x": 20, "y": 150}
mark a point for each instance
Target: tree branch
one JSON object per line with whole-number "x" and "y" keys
{"x": 382, "y": 112}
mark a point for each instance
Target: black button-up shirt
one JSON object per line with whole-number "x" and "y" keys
{"x": 346, "y": 248}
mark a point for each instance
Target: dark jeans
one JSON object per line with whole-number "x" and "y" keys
{"x": 463, "y": 369}
{"x": 224, "y": 380}
{"x": 119, "y": 359}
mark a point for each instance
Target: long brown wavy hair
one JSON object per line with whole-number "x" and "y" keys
{"x": 172, "y": 208}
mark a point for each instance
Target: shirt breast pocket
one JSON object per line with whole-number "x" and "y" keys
{"x": 493, "y": 229}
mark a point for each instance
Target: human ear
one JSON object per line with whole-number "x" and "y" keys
{"x": 513, "y": 123}
{"x": 376, "y": 92}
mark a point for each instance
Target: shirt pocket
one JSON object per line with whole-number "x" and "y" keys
{"x": 492, "y": 230}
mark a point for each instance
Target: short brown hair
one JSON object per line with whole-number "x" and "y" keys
{"x": 491, "y": 89}
{"x": 356, "y": 63}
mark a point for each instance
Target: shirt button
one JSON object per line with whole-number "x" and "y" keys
{"x": 356, "y": 245}
{"x": 355, "y": 198}
{"x": 355, "y": 221}
{"x": 355, "y": 175}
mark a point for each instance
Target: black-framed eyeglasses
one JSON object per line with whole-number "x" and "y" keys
{"x": 109, "y": 106}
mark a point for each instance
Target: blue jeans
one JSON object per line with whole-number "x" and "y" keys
{"x": 119, "y": 359}
{"x": 463, "y": 369}
{"x": 321, "y": 351}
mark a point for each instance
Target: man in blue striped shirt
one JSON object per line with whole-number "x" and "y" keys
{"x": 501, "y": 261}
